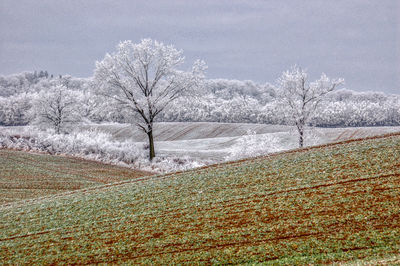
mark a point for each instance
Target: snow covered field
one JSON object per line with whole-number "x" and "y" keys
{"x": 179, "y": 146}
{"x": 219, "y": 141}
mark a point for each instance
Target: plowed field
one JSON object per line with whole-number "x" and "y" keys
{"x": 27, "y": 175}
{"x": 333, "y": 203}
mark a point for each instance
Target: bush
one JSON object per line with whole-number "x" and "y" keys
{"x": 93, "y": 145}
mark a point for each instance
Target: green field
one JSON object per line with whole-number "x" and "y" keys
{"x": 336, "y": 203}
{"x": 27, "y": 175}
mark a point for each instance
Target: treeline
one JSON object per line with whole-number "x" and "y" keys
{"x": 248, "y": 102}
{"x": 218, "y": 100}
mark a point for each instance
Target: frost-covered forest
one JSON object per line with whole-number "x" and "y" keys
{"x": 26, "y": 97}
{"x": 218, "y": 100}
{"x": 142, "y": 85}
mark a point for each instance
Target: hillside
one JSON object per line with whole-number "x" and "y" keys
{"x": 177, "y": 131}
{"x": 206, "y": 142}
{"x": 217, "y": 141}
{"x": 333, "y": 203}
{"x": 26, "y": 175}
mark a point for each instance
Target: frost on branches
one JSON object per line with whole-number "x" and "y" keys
{"x": 300, "y": 98}
{"x": 57, "y": 108}
{"x": 144, "y": 78}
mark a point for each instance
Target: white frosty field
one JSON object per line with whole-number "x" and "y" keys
{"x": 179, "y": 146}
{"x": 218, "y": 141}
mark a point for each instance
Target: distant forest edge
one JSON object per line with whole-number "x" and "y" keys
{"x": 218, "y": 100}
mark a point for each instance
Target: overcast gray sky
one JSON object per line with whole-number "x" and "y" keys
{"x": 358, "y": 40}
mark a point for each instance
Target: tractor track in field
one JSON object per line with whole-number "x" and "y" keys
{"x": 243, "y": 202}
{"x": 68, "y": 171}
{"x": 339, "y": 201}
{"x": 218, "y": 246}
{"x": 87, "y": 190}
{"x": 218, "y": 165}
{"x": 76, "y": 174}
{"x": 294, "y": 151}
{"x": 158, "y": 177}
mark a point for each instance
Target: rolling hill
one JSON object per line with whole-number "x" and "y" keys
{"x": 325, "y": 204}
{"x": 177, "y": 131}
{"x": 216, "y": 141}
{"x": 29, "y": 175}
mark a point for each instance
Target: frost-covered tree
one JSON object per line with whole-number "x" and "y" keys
{"x": 144, "y": 78}
{"x": 57, "y": 108}
{"x": 301, "y": 98}
{"x": 14, "y": 110}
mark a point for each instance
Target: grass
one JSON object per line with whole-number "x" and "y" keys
{"x": 330, "y": 204}
{"x": 27, "y": 175}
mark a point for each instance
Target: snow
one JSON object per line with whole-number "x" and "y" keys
{"x": 179, "y": 146}
{"x": 174, "y": 131}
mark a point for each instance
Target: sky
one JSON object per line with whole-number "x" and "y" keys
{"x": 358, "y": 40}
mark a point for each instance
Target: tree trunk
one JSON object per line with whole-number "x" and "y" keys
{"x": 152, "y": 153}
{"x": 301, "y": 138}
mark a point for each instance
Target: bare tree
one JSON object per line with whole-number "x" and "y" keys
{"x": 144, "y": 78}
{"x": 56, "y": 108}
{"x": 301, "y": 98}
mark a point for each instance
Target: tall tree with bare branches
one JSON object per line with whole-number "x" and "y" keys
{"x": 301, "y": 98}
{"x": 56, "y": 108}
{"x": 144, "y": 78}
